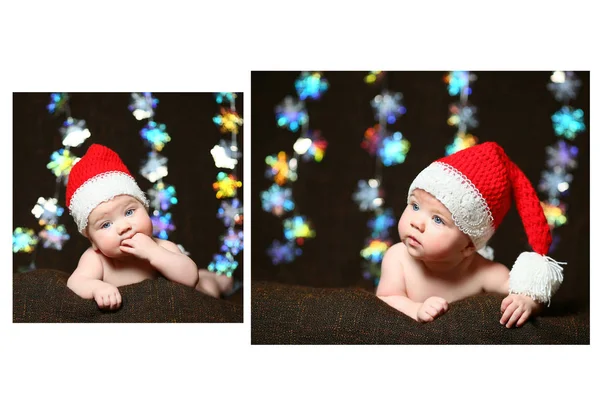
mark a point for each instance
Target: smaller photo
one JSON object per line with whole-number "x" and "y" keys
{"x": 420, "y": 207}
{"x": 128, "y": 207}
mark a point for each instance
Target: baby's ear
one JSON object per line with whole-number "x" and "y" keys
{"x": 469, "y": 249}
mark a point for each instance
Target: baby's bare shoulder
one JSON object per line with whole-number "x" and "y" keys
{"x": 493, "y": 275}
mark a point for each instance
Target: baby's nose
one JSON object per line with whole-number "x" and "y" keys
{"x": 124, "y": 226}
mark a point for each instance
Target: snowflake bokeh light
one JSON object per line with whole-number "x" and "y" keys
{"x": 283, "y": 253}
{"x": 231, "y": 212}
{"x": 568, "y": 122}
{"x": 311, "y": 85}
{"x": 155, "y": 135}
{"x": 142, "y": 105}
{"x": 47, "y": 211}
{"x": 388, "y": 106}
{"x": 58, "y": 103}
{"x": 381, "y": 222}
{"x": 226, "y": 185}
{"x": 393, "y": 149}
{"x": 24, "y": 240}
{"x": 562, "y": 155}
{"x": 277, "y": 200}
{"x": 555, "y": 182}
{"x": 555, "y": 214}
{"x": 375, "y": 249}
{"x": 291, "y": 114}
{"x": 311, "y": 146}
{"x": 54, "y": 236}
{"x": 461, "y": 141}
{"x": 463, "y": 116}
{"x": 299, "y": 228}
{"x": 225, "y": 154}
{"x": 228, "y": 120}
{"x": 368, "y": 196}
{"x": 564, "y": 85}
{"x": 458, "y": 81}
{"x": 223, "y": 264}
{"x": 162, "y": 196}
{"x": 372, "y": 139}
{"x": 155, "y": 167}
{"x": 162, "y": 224}
{"x": 61, "y": 162}
{"x": 233, "y": 241}
{"x": 74, "y": 132}
{"x": 280, "y": 169}
{"x": 221, "y": 98}
{"x": 374, "y": 76}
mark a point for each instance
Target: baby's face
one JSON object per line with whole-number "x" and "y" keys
{"x": 428, "y": 231}
{"x": 114, "y": 221}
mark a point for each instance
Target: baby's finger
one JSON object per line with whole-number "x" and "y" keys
{"x": 427, "y": 317}
{"x": 508, "y": 312}
{"x": 505, "y": 303}
{"x": 431, "y": 310}
{"x": 523, "y": 318}
{"x": 113, "y": 301}
{"x": 515, "y": 316}
{"x": 118, "y": 295}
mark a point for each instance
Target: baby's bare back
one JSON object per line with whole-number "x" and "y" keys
{"x": 421, "y": 283}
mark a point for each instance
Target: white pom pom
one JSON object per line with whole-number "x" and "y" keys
{"x": 536, "y": 275}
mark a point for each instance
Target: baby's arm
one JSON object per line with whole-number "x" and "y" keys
{"x": 515, "y": 308}
{"x": 391, "y": 288}
{"x": 174, "y": 265}
{"x": 86, "y": 281}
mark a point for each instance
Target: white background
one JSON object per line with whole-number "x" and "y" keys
{"x": 195, "y": 369}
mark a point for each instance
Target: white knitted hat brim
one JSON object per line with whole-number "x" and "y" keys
{"x": 99, "y": 189}
{"x": 458, "y": 194}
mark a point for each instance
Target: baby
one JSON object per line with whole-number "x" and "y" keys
{"x": 454, "y": 207}
{"x": 110, "y": 210}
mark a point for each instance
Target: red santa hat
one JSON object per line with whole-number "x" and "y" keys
{"x": 477, "y": 185}
{"x": 99, "y": 176}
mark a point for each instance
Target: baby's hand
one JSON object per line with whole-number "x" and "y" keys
{"x": 107, "y": 297}
{"x": 140, "y": 246}
{"x": 517, "y": 308}
{"x": 431, "y": 308}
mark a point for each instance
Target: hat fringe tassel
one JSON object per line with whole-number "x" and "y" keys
{"x": 537, "y": 276}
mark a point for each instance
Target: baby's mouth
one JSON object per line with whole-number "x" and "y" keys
{"x": 412, "y": 240}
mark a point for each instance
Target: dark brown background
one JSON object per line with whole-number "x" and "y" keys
{"x": 188, "y": 120}
{"x": 514, "y": 109}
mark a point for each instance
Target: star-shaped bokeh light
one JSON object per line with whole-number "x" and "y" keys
{"x": 162, "y": 224}
{"x": 568, "y": 122}
{"x": 54, "y": 236}
{"x": 555, "y": 214}
{"x": 155, "y": 167}
{"x": 375, "y": 249}
{"x": 226, "y": 185}
{"x": 156, "y": 135}
{"x": 221, "y": 98}
{"x": 24, "y": 240}
{"x": 564, "y": 85}
{"x": 381, "y": 222}
{"x": 372, "y": 139}
{"x": 231, "y": 212}
{"x": 462, "y": 115}
{"x": 283, "y": 253}
{"x": 291, "y": 114}
{"x": 233, "y": 241}
{"x": 298, "y": 228}
{"x": 312, "y": 146}
{"x": 393, "y": 149}
{"x": 74, "y": 132}
{"x": 58, "y": 103}
{"x": 225, "y": 154}
{"x": 47, "y": 211}
{"x": 388, "y": 106}
{"x": 162, "y": 196}
{"x": 461, "y": 141}
{"x": 368, "y": 196}
{"x": 562, "y": 155}
{"x": 142, "y": 105}
{"x": 458, "y": 81}
{"x": 228, "y": 120}
{"x": 311, "y": 85}
{"x": 280, "y": 169}
{"x": 277, "y": 200}
{"x": 61, "y": 162}
{"x": 223, "y": 264}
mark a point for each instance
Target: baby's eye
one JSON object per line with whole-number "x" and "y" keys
{"x": 129, "y": 212}
{"x": 438, "y": 220}
{"x": 415, "y": 206}
{"x": 105, "y": 225}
